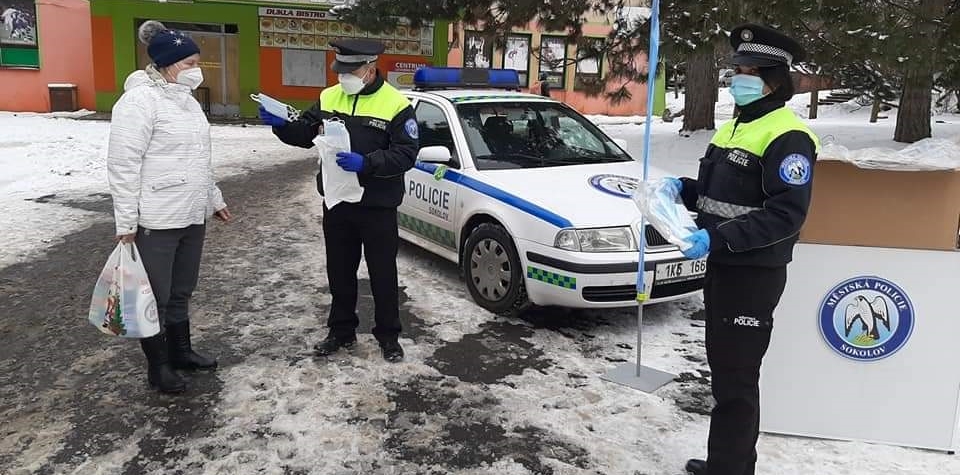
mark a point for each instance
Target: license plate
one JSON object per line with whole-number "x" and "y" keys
{"x": 681, "y": 271}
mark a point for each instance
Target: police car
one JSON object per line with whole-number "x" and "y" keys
{"x": 530, "y": 199}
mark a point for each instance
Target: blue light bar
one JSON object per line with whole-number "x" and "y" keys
{"x": 446, "y": 77}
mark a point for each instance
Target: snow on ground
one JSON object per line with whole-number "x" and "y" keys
{"x": 590, "y": 422}
{"x": 42, "y": 155}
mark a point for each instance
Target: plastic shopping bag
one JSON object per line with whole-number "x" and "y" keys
{"x": 338, "y": 184}
{"x": 123, "y": 304}
{"x": 664, "y": 210}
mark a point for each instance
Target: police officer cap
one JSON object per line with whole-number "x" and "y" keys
{"x": 761, "y": 46}
{"x": 351, "y": 54}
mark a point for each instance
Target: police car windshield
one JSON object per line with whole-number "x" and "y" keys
{"x": 533, "y": 135}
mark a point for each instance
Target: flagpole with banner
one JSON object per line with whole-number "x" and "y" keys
{"x": 637, "y": 376}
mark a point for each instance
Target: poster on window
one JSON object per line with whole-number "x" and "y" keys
{"x": 477, "y": 51}
{"x": 588, "y": 58}
{"x": 517, "y": 53}
{"x": 553, "y": 55}
{"x": 19, "y": 23}
{"x": 553, "y": 59}
{"x": 18, "y": 34}
{"x": 516, "y": 56}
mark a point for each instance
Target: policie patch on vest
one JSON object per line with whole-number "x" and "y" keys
{"x": 795, "y": 169}
{"x": 411, "y": 127}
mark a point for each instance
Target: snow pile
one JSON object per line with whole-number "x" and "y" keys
{"x": 615, "y": 119}
{"x": 924, "y": 155}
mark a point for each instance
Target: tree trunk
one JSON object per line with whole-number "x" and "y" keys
{"x": 814, "y": 103}
{"x": 701, "y": 90}
{"x": 875, "y": 110}
{"x": 913, "y": 115}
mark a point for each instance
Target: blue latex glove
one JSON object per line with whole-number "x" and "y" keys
{"x": 700, "y": 241}
{"x": 270, "y": 119}
{"x": 676, "y": 184}
{"x": 350, "y": 161}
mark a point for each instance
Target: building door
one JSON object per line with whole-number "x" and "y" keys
{"x": 219, "y": 95}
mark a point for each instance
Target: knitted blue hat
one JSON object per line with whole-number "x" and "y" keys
{"x": 164, "y": 46}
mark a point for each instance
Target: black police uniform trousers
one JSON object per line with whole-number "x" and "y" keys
{"x": 739, "y": 303}
{"x": 347, "y": 228}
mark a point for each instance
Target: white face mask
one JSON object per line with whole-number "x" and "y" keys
{"x": 351, "y": 84}
{"x": 191, "y": 78}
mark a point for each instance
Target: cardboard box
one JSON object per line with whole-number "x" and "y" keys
{"x": 899, "y": 209}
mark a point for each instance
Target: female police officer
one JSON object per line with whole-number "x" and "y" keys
{"x": 751, "y": 195}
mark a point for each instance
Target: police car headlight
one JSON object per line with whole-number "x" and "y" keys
{"x": 596, "y": 240}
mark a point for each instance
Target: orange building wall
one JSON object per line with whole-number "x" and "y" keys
{"x": 637, "y": 105}
{"x": 66, "y": 56}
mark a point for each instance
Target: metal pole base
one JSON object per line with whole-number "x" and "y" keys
{"x": 648, "y": 380}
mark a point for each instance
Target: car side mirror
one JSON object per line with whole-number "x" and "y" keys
{"x": 435, "y": 154}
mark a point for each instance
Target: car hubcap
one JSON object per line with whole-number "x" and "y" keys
{"x": 490, "y": 270}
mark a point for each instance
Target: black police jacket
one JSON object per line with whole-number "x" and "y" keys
{"x": 752, "y": 191}
{"x": 382, "y": 128}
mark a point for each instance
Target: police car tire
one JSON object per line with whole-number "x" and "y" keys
{"x": 515, "y": 301}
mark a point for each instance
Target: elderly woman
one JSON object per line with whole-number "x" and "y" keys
{"x": 158, "y": 165}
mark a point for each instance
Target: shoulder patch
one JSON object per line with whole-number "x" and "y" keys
{"x": 411, "y": 127}
{"x": 795, "y": 169}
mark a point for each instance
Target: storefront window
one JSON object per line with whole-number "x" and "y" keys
{"x": 18, "y": 34}
{"x": 589, "y": 59}
{"x": 553, "y": 60}
{"x": 516, "y": 56}
{"x": 477, "y": 50}
{"x": 304, "y": 68}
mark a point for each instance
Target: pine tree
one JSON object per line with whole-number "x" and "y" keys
{"x": 890, "y": 50}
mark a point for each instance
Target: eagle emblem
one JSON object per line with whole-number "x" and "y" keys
{"x": 870, "y": 314}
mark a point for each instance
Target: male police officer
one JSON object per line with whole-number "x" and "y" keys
{"x": 384, "y": 144}
{"x": 751, "y": 195}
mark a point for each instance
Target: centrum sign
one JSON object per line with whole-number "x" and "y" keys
{"x": 401, "y": 74}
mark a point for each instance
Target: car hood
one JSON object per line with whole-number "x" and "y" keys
{"x": 588, "y": 196}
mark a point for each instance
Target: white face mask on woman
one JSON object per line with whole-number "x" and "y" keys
{"x": 192, "y": 77}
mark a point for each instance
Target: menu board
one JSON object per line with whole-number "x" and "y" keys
{"x": 312, "y": 30}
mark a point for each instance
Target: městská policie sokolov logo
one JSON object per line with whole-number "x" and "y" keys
{"x": 616, "y": 185}
{"x": 866, "y": 318}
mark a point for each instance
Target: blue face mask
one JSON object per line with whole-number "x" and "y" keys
{"x": 746, "y": 89}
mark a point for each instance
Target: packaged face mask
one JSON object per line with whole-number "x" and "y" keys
{"x": 276, "y": 108}
{"x": 662, "y": 207}
{"x": 339, "y": 185}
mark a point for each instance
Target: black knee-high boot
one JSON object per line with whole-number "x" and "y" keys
{"x": 182, "y": 355}
{"x": 160, "y": 374}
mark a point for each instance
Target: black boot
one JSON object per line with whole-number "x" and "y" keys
{"x": 182, "y": 355}
{"x": 696, "y": 467}
{"x": 392, "y": 351}
{"x": 160, "y": 374}
{"x": 331, "y": 344}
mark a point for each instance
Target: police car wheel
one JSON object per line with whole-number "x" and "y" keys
{"x": 492, "y": 270}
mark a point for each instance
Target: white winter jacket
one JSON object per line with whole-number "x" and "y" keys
{"x": 158, "y": 159}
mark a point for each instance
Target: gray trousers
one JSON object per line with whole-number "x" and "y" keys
{"x": 172, "y": 260}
